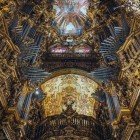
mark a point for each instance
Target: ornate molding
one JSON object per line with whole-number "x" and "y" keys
{"x": 13, "y": 110}
{"x": 134, "y": 100}
{"x": 125, "y": 114}
{"x": 10, "y": 134}
{"x": 128, "y": 131}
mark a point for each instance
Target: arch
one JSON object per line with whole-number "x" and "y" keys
{"x": 70, "y": 86}
{"x": 70, "y": 71}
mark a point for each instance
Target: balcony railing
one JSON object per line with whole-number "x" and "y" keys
{"x": 70, "y": 55}
{"x": 69, "y": 122}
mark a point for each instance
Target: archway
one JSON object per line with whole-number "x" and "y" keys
{"x": 70, "y": 86}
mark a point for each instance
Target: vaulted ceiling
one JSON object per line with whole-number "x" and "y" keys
{"x": 66, "y": 89}
{"x": 69, "y": 68}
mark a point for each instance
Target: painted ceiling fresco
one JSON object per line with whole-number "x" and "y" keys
{"x": 69, "y": 89}
{"x": 70, "y": 16}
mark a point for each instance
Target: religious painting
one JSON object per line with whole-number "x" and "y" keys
{"x": 69, "y": 89}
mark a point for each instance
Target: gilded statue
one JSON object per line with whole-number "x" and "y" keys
{"x": 27, "y": 88}
{"x": 10, "y": 68}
